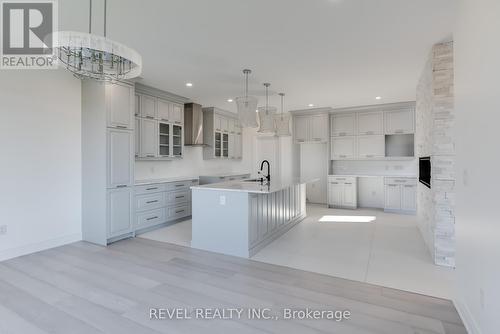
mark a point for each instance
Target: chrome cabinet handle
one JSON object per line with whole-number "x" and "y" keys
{"x": 149, "y": 202}
{"x": 121, "y": 127}
{"x": 150, "y": 117}
{"x": 121, "y": 186}
{"x": 180, "y": 196}
{"x": 152, "y": 188}
{"x": 179, "y": 185}
{"x": 179, "y": 211}
{"x": 151, "y": 218}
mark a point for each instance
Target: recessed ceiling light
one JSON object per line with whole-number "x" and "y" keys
{"x": 256, "y": 110}
{"x": 378, "y": 98}
{"x": 229, "y": 100}
{"x": 310, "y": 105}
{"x": 188, "y": 84}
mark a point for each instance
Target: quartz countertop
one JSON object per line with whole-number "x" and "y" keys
{"x": 403, "y": 176}
{"x": 164, "y": 180}
{"x": 225, "y": 174}
{"x": 254, "y": 187}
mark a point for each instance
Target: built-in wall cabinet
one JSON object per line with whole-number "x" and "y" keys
{"x": 107, "y": 161}
{"x": 160, "y": 126}
{"x": 222, "y": 134}
{"x": 377, "y": 133}
{"x": 311, "y": 128}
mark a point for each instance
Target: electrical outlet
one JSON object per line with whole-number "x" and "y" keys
{"x": 222, "y": 200}
{"x": 3, "y": 229}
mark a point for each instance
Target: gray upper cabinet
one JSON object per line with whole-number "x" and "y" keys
{"x": 137, "y": 134}
{"x": 400, "y": 121}
{"x": 137, "y": 105}
{"x": 343, "y": 125}
{"x": 371, "y": 123}
{"x": 311, "y": 128}
{"x": 222, "y": 134}
{"x": 301, "y": 128}
{"x": 177, "y": 113}
{"x": 160, "y": 135}
{"x": 148, "y": 138}
{"x": 119, "y": 106}
{"x": 120, "y": 163}
{"x": 148, "y": 107}
{"x": 163, "y": 110}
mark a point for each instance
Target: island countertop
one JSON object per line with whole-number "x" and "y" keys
{"x": 254, "y": 187}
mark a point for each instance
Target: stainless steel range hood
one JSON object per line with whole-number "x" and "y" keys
{"x": 193, "y": 125}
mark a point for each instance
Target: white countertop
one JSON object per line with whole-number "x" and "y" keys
{"x": 403, "y": 176}
{"x": 164, "y": 180}
{"x": 253, "y": 187}
{"x": 225, "y": 174}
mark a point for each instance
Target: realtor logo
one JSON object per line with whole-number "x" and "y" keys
{"x": 27, "y": 29}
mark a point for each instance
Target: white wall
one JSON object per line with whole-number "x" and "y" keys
{"x": 477, "y": 90}
{"x": 40, "y": 160}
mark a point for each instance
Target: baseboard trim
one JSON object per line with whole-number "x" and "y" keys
{"x": 39, "y": 246}
{"x": 467, "y": 318}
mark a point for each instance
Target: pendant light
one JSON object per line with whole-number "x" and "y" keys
{"x": 246, "y": 106}
{"x": 282, "y": 120}
{"x": 266, "y": 114}
{"x": 89, "y": 56}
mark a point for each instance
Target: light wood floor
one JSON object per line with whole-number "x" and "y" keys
{"x": 83, "y": 288}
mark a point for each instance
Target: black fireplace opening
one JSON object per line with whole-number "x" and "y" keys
{"x": 424, "y": 175}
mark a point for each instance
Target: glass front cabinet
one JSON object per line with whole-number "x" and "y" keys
{"x": 222, "y": 135}
{"x": 159, "y": 128}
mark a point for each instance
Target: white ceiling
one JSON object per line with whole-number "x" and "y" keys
{"x": 328, "y": 52}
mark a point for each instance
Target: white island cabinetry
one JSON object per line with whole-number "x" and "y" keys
{"x": 239, "y": 218}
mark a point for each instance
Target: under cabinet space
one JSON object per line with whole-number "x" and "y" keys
{"x": 400, "y": 145}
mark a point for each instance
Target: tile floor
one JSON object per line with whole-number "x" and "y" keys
{"x": 388, "y": 252}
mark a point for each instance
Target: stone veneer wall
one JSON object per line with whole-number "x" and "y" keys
{"x": 434, "y": 138}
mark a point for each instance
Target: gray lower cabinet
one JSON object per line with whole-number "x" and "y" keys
{"x": 119, "y": 202}
{"x": 161, "y": 203}
{"x": 400, "y": 195}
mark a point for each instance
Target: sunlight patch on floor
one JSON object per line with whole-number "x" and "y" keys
{"x": 347, "y": 219}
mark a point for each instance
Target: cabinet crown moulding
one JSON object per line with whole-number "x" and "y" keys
{"x": 148, "y": 90}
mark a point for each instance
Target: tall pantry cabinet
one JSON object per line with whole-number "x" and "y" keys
{"x": 107, "y": 161}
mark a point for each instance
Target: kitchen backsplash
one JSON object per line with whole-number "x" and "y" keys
{"x": 403, "y": 167}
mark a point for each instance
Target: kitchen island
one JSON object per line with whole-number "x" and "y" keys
{"x": 241, "y": 217}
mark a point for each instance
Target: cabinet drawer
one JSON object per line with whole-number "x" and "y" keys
{"x": 400, "y": 180}
{"x": 149, "y": 189}
{"x": 149, "y": 201}
{"x": 176, "y": 197}
{"x": 342, "y": 179}
{"x": 151, "y": 217}
{"x": 178, "y": 211}
{"x": 178, "y": 185}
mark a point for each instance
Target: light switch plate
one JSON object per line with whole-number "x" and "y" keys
{"x": 222, "y": 200}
